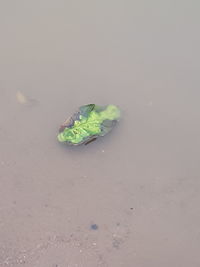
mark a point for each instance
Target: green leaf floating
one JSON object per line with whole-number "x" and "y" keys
{"x": 88, "y": 123}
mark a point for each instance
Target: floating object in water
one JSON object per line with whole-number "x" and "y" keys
{"x": 88, "y": 123}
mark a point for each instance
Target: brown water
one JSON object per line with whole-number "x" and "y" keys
{"x": 140, "y": 184}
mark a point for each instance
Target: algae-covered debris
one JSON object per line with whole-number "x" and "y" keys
{"x": 88, "y": 123}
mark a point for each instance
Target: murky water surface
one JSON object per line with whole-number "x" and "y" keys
{"x": 131, "y": 198}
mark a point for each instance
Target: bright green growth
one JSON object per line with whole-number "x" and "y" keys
{"x": 89, "y": 122}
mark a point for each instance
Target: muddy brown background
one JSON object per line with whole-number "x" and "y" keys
{"x": 140, "y": 184}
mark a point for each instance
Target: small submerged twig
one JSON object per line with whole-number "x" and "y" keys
{"x": 24, "y": 100}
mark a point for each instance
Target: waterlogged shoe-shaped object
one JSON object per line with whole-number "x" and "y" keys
{"x": 88, "y": 123}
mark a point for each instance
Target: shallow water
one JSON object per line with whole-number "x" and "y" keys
{"x": 131, "y": 198}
